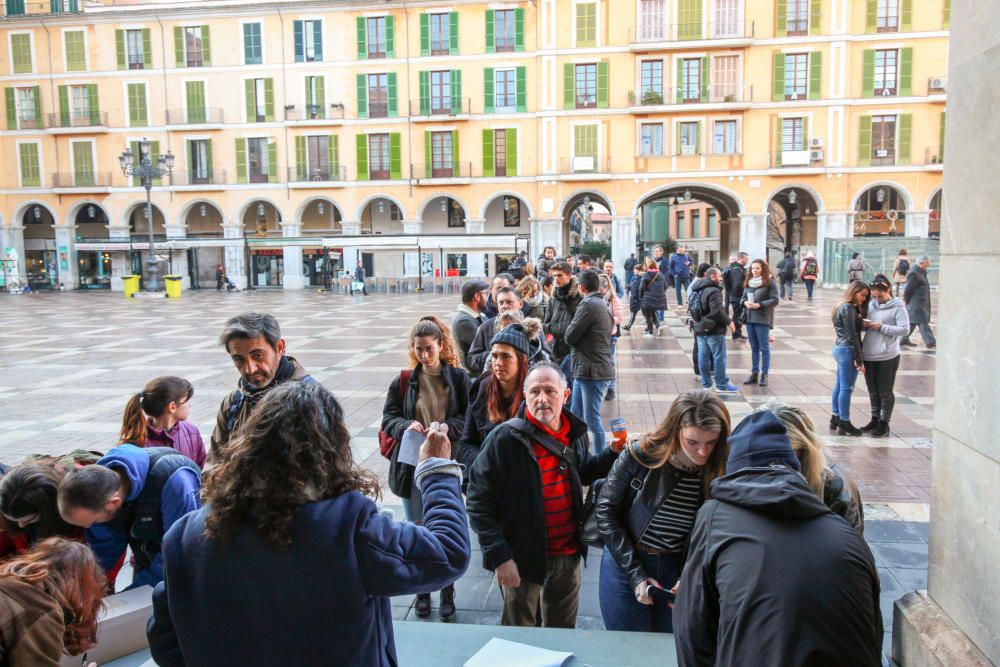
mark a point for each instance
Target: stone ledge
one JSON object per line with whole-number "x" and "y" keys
{"x": 924, "y": 636}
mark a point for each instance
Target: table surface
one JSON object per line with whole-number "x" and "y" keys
{"x": 443, "y": 645}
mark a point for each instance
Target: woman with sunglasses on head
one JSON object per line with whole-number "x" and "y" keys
{"x": 157, "y": 417}
{"x": 887, "y": 324}
{"x": 847, "y": 319}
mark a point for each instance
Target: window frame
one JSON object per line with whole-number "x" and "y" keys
{"x": 797, "y": 76}
{"x": 655, "y": 149}
{"x": 443, "y": 89}
{"x": 138, "y": 62}
{"x": 93, "y": 159}
{"x": 190, "y": 36}
{"x": 508, "y": 81}
{"x": 442, "y": 37}
{"x": 384, "y": 140}
{"x": 798, "y": 11}
{"x": 686, "y": 84}
{"x": 39, "y": 166}
{"x": 500, "y": 152}
{"x": 504, "y": 18}
{"x": 589, "y": 101}
{"x": 442, "y": 156}
{"x": 654, "y": 81}
{"x": 792, "y": 142}
{"x": 377, "y": 105}
{"x": 719, "y": 90}
{"x": 595, "y": 28}
{"x": 31, "y": 51}
{"x": 77, "y": 111}
{"x": 192, "y": 171}
{"x": 683, "y": 128}
{"x": 597, "y": 147}
{"x": 733, "y": 12}
{"x": 892, "y": 148}
{"x": 884, "y": 14}
{"x": 735, "y": 138}
{"x": 86, "y": 59}
{"x": 884, "y": 69}
{"x": 317, "y": 148}
{"x": 372, "y": 26}
{"x": 260, "y": 41}
{"x": 20, "y": 116}
{"x": 651, "y": 29}
{"x": 128, "y": 102}
{"x": 263, "y": 158}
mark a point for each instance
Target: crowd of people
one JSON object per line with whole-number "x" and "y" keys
{"x": 275, "y": 527}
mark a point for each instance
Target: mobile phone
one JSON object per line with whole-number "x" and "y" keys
{"x": 659, "y": 595}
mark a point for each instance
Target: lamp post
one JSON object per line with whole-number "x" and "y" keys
{"x": 146, "y": 173}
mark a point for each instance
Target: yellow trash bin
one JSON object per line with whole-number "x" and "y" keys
{"x": 130, "y": 284}
{"x": 173, "y": 286}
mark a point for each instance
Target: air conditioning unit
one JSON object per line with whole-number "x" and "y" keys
{"x": 816, "y": 142}
{"x": 937, "y": 83}
{"x": 816, "y": 155}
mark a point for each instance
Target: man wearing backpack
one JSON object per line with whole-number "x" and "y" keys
{"x": 809, "y": 273}
{"x": 707, "y": 308}
{"x": 254, "y": 342}
{"x": 786, "y": 274}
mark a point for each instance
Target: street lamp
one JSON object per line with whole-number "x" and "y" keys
{"x": 146, "y": 172}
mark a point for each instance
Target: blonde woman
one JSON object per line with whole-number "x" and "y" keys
{"x": 647, "y": 508}
{"x": 531, "y": 293}
{"x": 847, "y": 316}
{"x": 832, "y": 484}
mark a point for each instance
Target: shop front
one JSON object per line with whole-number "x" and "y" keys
{"x": 319, "y": 265}
{"x": 94, "y": 268}
{"x": 267, "y": 267}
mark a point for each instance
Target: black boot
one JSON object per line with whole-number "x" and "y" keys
{"x": 423, "y": 605}
{"x": 847, "y": 428}
{"x": 870, "y": 426}
{"x": 834, "y": 422}
{"x": 763, "y": 380}
{"x": 447, "y": 606}
{"x": 752, "y": 379}
{"x": 881, "y": 430}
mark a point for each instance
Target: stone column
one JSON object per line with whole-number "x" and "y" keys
{"x": 66, "y": 264}
{"x": 475, "y": 225}
{"x": 351, "y": 256}
{"x": 178, "y": 259}
{"x": 623, "y": 235}
{"x": 12, "y": 247}
{"x": 292, "y": 254}
{"x": 918, "y": 223}
{"x": 121, "y": 265}
{"x": 544, "y": 232}
{"x": 955, "y": 621}
{"x": 753, "y": 235}
{"x": 234, "y": 257}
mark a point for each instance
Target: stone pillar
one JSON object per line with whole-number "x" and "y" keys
{"x": 12, "y": 247}
{"x": 351, "y": 256}
{"x": 475, "y": 225}
{"x": 918, "y": 223}
{"x": 477, "y": 264}
{"x": 623, "y": 236}
{"x": 121, "y": 265}
{"x": 955, "y": 622}
{"x": 292, "y": 254}
{"x": 66, "y": 264}
{"x": 545, "y": 232}
{"x": 178, "y": 259}
{"x": 234, "y": 258}
{"x": 753, "y": 235}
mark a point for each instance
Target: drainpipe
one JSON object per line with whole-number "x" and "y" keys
{"x": 409, "y": 116}
{"x": 166, "y": 121}
{"x": 284, "y": 93}
{"x": 52, "y": 88}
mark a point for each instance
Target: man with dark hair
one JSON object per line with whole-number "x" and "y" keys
{"x": 359, "y": 276}
{"x": 732, "y": 279}
{"x": 508, "y": 300}
{"x": 130, "y": 498}
{"x": 707, "y": 309}
{"x": 501, "y": 280}
{"x": 254, "y": 342}
{"x": 917, "y": 296}
{"x": 663, "y": 266}
{"x": 609, "y": 271}
{"x": 517, "y": 266}
{"x": 589, "y": 336}
{"x": 475, "y": 294}
{"x": 562, "y": 306}
{"x": 679, "y": 268}
{"x": 766, "y": 542}
{"x": 584, "y": 263}
{"x": 525, "y": 502}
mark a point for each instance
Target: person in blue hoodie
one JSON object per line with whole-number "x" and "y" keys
{"x": 130, "y": 498}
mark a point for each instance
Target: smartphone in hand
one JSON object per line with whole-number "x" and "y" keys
{"x": 659, "y": 595}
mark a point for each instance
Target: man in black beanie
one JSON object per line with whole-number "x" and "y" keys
{"x": 773, "y": 577}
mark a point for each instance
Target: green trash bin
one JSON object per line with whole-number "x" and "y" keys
{"x": 130, "y": 284}
{"x": 173, "y": 286}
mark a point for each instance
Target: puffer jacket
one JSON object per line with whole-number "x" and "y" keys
{"x": 847, "y": 326}
{"x": 883, "y": 344}
{"x": 841, "y": 495}
{"x": 562, "y": 308}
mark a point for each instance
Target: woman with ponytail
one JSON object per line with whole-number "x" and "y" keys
{"x": 157, "y": 417}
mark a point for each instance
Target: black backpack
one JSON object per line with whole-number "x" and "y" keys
{"x": 904, "y": 267}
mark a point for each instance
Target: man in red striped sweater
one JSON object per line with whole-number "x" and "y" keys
{"x": 525, "y": 502}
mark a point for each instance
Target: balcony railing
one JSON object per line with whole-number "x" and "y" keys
{"x": 714, "y": 94}
{"x": 303, "y": 112}
{"x": 441, "y": 108}
{"x": 81, "y": 180}
{"x": 30, "y": 123}
{"x": 196, "y": 116}
{"x": 307, "y": 174}
{"x": 73, "y": 119}
{"x": 15, "y": 8}
{"x": 453, "y": 170}
{"x": 205, "y": 177}
{"x": 681, "y": 32}
{"x": 585, "y": 165}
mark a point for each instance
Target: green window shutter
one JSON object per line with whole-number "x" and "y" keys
{"x": 689, "y": 19}
{"x": 361, "y": 155}
{"x": 206, "y": 46}
{"x": 519, "y": 29}
{"x": 251, "y": 100}
{"x": 805, "y": 133}
{"x": 21, "y": 47}
{"x": 871, "y": 16}
{"x": 522, "y": 89}
{"x": 905, "y": 15}
{"x": 390, "y": 36}
{"x": 569, "y": 86}
{"x": 320, "y": 95}
{"x": 865, "y": 142}
{"x": 134, "y": 145}
{"x": 815, "y": 16}
{"x": 903, "y": 155}
{"x": 455, "y": 167}
{"x": 93, "y": 104}
{"x": 488, "y": 97}
{"x": 512, "y": 152}
{"x": 941, "y": 138}
{"x": 272, "y": 162}
{"x": 425, "y": 34}
{"x": 677, "y": 139}
{"x": 906, "y": 71}
{"x": 333, "y": 156}
{"x": 602, "y": 84}
{"x": 491, "y": 31}
{"x": 395, "y": 161}
{"x": 179, "y": 46}
{"x": 362, "y": 38}
{"x": 391, "y": 101}
{"x": 362, "y": 84}
{"x": 425, "y": 93}
{"x": 318, "y": 39}
{"x": 781, "y": 19}
{"x": 868, "y": 73}
{"x": 456, "y": 91}
{"x": 453, "y": 33}
{"x": 300, "y": 159}
{"x": 778, "y": 92}
{"x": 12, "y": 108}
{"x": 76, "y": 56}
{"x": 147, "y": 49}
{"x": 428, "y": 157}
{"x": 488, "y": 168}
{"x": 64, "y": 106}
{"x": 37, "y": 93}
{"x": 120, "y": 48}
{"x": 154, "y": 158}
{"x": 680, "y": 75}
{"x": 946, "y": 15}
{"x": 83, "y": 167}
{"x": 208, "y": 160}
{"x": 269, "y": 100}
{"x": 815, "y": 75}
{"x": 241, "y": 161}
{"x": 704, "y": 79}
{"x": 30, "y": 176}
{"x": 137, "y": 115}
{"x": 777, "y": 143}
{"x": 300, "y": 52}
{"x": 195, "y": 101}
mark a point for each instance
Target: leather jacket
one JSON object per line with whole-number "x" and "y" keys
{"x": 628, "y": 501}
{"x": 841, "y": 495}
{"x": 847, "y": 325}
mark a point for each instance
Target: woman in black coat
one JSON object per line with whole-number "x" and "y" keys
{"x": 652, "y": 296}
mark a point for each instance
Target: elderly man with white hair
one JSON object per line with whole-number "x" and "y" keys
{"x": 917, "y": 296}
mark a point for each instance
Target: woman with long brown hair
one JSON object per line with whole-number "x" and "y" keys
{"x": 434, "y": 389}
{"x": 848, "y": 316}
{"x": 157, "y": 417}
{"x": 647, "y": 507}
{"x": 49, "y": 601}
{"x": 29, "y": 512}
{"x": 760, "y": 297}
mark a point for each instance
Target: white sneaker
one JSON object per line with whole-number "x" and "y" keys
{"x": 647, "y": 335}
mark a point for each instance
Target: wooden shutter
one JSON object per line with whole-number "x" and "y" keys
{"x": 511, "y": 145}
{"x": 946, "y": 15}
{"x": 333, "y": 156}
{"x": 390, "y": 36}
{"x": 805, "y": 133}
{"x": 154, "y": 158}
{"x": 689, "y": 19}
{"x": 904, "y": 154}
{"x": 428, "y": 155}
{"x": 865, "y": 142}
{"x": 147, "y": 50}
{"x": 455, "y": 164}
{"x": 137, "y": 104}
{"x": 76, "y": 56}
{"x": 679, "y": 88}
{"x": 251, "y": 100}
{"x": 569, "y": 86}
{"x": 28, "y": 157}
{"x": 941, "y": 138}
{"x": 206, "y": 46}
{"x": 781, "y": 18}
{"x": 522, "y": 89}
{"x": 871, "y": 16}
{"x": 208, "y": 161}
{"x": 453, "y": 33}
{"x": 392, "y": 98}
{"x": 64, "y": 106}
{"x": 815, "y": 75}
{"x": 425, "y": 34}
{"x": 120, "y": 48}
{"x": 12, "y": 107}
{"x": 488, "y": 158}
{"x": 241, "y": 160}
{"x": 362, "y": 35}
{"x": 320, "y": 95}
{"x": 318, "y": 39}
{"x": 269, "y": 99}
{"x": 179, "y": 46}
{"x": 815, "y": 16}
{"x": 361, "y": 155}
{"x": 488, "y": 96}
{"x": 300, "y": 159}
{"x": 395, "y": 158}
{"x": 777, "y": 143}
{"x": 778, "y": 91}
{"x": 906, "y": 71}
{"x": 272, "y": 161}
{"x": 602, "y": 84}
{"x": 362, "y": 85}
{"x": 704, "y": 79}
{"x": 519, "y": 29}
{"x": 490, "y": 31}
{"x": 37, "y": 93}
{"x": 93, "y": 105}
{"x": 195, "y": 101}
{"x": 425, "y": 93}
{"x": 868, "y": 73}
{"x": 456, "y": 91}
{"x": 905, "y": 15}
{"x": 299, "y": 40}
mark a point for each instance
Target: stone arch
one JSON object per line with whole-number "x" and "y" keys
{"x": 21, "y": 210}
{"x": 359, "y": 211}
{"x": 506, "y": 193}
{"x": 245, "y": 206}
{"x": 933, "y": 194}
{"x": 141, "y": 203}
{"x": 605, "y": 200}
{"x": 310, "y": 200}
{"x": 907, "y": 199}
{"x": 423, "y": 206}
{"x": 707, "y": 192}
{"x": 186, "y": 209}
{"x": 820, "y": 204}
{"x": 75, "y": 209}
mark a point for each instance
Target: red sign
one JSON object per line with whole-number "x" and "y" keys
{"x": 268, "y": 252}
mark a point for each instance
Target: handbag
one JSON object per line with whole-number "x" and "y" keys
{"x": 590, "y": 534}
{"x": 387, "y": 443}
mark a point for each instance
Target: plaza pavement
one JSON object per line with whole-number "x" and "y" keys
{"x": 69, "y": 361}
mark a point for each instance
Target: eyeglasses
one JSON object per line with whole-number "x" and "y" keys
{"x": 879, "y": 285}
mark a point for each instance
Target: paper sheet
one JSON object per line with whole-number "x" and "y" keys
{"x": 409, "y": 448}
{"x": 513, "y": 654}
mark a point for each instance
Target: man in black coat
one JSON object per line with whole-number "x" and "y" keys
{"x": 508, "y": 300}
{"x": 733, "y": 279}
{"x": 589, "y": 336}
{"x": 562, "y": 306}
{"x": 475, "y": 294}
{"x": 917, "y": 296}
{"x": 526, "y": 503}
{"x": 773, "y": 577}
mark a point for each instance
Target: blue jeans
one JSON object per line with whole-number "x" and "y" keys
{"x": 566, "y": 365}
{"x": 712, "y": 350}
{"x": 681, "y": 286}
{"x": 847, "y": 375}
{"x": 614, "y": 362}
{"x": 809, "y": 287}
{"x": 619, "y": 608}
{"x": 760, "y": 347}
{"x": 586, "y": 404}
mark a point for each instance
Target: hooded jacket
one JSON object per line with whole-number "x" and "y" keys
{"x": 713, "y": 318}
{"x": 773, "y": 577}
{"x": 32, "y": 625}
{"x": 562, "y": 308}
{"x": 883, "y": 344}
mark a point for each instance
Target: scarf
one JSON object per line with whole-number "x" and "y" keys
{"x": 756, "y": 282}
{"x": 286, "y": 369}
{"x": 561, "y": 436}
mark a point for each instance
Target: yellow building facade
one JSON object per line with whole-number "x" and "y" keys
{"x": 438, "y": 138}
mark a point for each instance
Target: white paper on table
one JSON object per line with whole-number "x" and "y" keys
{"x": 409, "y": 448}
{"x": 513, "y": 654}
